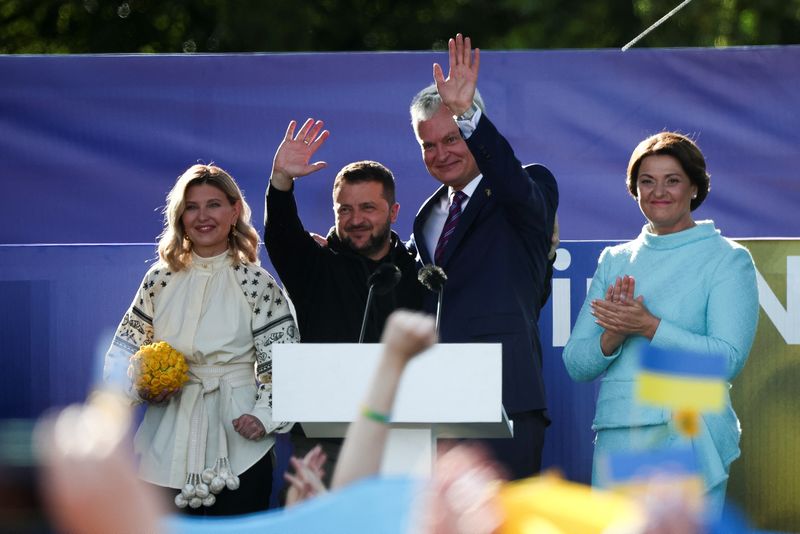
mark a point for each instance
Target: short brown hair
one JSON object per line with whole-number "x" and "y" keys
{"x": 682, "y": 149}
{"x": 367, "y": 171}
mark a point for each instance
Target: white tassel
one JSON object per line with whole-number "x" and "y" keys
{"x": 232, "y": 482}
{"x": 208, "y": 475}
{"x": 201, "y": 490}
{"x": 217, "y": 485}
{"x": 188, "y": 491}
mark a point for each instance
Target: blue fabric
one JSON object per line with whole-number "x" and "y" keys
{"x": 703, "y": 288}
{"x": 375, "y": 506}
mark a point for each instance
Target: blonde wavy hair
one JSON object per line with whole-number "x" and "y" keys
{"x": 174, "y": 249}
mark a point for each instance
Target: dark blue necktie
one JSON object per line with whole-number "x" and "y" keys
{"x": 453, "y": 214}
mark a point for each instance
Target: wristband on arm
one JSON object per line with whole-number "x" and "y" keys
{"x": 378, "y": 417}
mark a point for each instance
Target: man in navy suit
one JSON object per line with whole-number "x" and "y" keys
{"x": 494, "y": 247}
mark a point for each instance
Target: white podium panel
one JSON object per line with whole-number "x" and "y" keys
{"x": 449, "y": 391}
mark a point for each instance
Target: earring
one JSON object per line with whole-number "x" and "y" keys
{"x": 233, "y": 231}
{"x": 186, "y": 238}
{"x": 694, "y": 196}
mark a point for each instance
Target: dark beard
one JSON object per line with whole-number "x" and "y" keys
{"x": 375, "y": 243}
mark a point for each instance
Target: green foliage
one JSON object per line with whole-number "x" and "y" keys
{"x": 175, "y": 26}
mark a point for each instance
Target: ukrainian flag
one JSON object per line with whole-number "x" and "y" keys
{"x": 681, "y": 380}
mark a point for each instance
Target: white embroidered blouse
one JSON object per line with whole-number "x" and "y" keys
{"x": 224, "y": 319}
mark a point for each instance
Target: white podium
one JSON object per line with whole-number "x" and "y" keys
{"x": 449, "y": 391}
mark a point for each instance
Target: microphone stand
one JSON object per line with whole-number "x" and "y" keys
{"x": 381, "y": 281}
{"x": 366, "y": 313}
{"x": 439, "y": 309}
{"x": 433, "y": 278}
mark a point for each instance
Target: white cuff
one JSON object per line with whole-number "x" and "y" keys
{"x": 468, "y": 125}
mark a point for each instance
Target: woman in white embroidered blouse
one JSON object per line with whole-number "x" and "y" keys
{"x": 210, "y": 300}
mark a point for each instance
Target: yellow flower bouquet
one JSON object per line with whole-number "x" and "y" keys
{"x": 158, "y": 367}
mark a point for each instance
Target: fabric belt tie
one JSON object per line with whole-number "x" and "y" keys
{"x": 204, "y": 482}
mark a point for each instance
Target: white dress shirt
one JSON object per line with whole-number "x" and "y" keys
{"x": 433, "y": 227}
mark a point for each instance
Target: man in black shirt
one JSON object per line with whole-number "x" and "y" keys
{"x": 328, "y": 284}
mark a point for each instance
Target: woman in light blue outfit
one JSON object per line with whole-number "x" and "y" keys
{"x": 679, "y": 285}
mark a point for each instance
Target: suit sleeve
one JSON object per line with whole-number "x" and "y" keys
{"x": 530, "y": 195}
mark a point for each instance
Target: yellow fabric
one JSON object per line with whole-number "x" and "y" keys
{"x": 548, "y": 504}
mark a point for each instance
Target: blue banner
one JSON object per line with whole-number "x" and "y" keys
{"x": 91, "y": 144}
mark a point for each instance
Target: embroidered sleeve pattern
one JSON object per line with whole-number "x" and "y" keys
{"x": 135, "y": 330}
{"x": 272, "y": 322}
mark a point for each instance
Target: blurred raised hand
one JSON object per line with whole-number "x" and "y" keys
{"x": 407, "y": 334}
{"x": 461, "y": 497}
{"x": 89, "y": 481}
{"x": 306, "y": 481}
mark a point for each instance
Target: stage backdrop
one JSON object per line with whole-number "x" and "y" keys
{"x": 91, "y": 144}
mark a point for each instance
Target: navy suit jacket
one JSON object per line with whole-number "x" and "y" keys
{"x": 496, "y": 264}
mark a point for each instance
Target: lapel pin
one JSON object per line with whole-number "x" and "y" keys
{"x": 488, "y": 192}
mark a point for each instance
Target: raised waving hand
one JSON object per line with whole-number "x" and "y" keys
{"x": 458, "y": 89}
{"x": 292, "y": 159}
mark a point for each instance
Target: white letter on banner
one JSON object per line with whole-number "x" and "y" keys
{"x": 786, "y": 321}
{"x": 561, "y": 300}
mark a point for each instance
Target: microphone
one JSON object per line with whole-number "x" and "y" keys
{"x": 385, "y": 277}
{"x": 380, "y": 282}
{"x": 432, "y": 277}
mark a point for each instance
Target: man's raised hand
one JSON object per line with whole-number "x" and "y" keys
{"x": 458, "y": 90}
{"x": 295, "y": 151}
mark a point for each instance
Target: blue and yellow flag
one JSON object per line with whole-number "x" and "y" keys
{"x": 681, "y": 380}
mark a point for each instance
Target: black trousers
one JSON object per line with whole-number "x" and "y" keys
{"x": 522, "y": 454}
{"x": 255, "y": 488}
